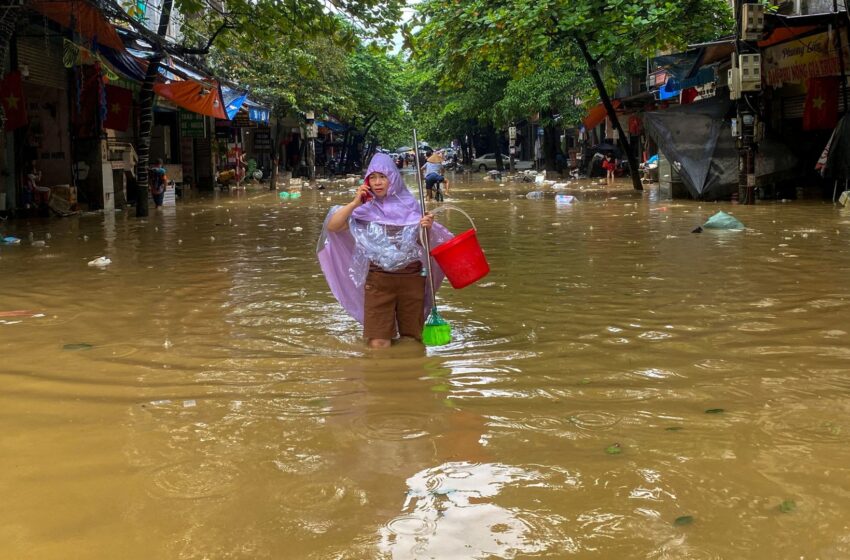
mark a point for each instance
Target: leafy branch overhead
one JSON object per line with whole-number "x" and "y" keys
{"x": 547, "y": 50}
{"x": 247, "y": 24}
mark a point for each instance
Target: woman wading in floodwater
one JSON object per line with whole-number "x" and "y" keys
{"x": 372, "y": 258}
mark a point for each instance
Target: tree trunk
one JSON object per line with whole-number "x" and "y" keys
{"x": 612, "y": 114}
{"x": 275, "y": 155}
{"x": 493, "y": 143}
{"x": 464, "y": 151}
{"x": 146, "y": 99}
{"x": 343, "y": 156}
{"x": 550, "y": 144}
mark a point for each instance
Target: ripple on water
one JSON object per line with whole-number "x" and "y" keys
{"x": 300, "y": 405}
{"x": 594, "y": 420}
{"x": 392, "y": 426}
{"x": 411, "y": 525}
{"x": 655, "y": 335}
{"x": 111, "y": 351}
{"x": 756, "y": 326}
{"x": 322, "y": 496}
{"x": 718, "y": 365}
{"x": 195, "y": 479}
{"x": 677, "y": 549}
{"x": 807, "y": 427}
{"x": 656, "y": 374}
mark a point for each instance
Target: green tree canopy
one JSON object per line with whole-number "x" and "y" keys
{"x": 524, "y": 36}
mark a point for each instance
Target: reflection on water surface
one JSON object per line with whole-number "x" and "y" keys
{"x": 204, "y": 397}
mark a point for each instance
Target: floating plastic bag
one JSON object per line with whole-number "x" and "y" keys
{"x": 100, "y": 262}
{"x": 564, "y": 199}
{"x": 722, "y": 220}
{"x": 389, "y": 247}
{"x": 534, "y": 195}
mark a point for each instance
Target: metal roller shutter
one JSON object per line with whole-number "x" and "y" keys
{"x": 793, "y": 107}
{"x": 43, "y": 59}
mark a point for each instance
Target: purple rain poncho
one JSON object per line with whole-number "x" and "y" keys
{"x": 345, "y": 255}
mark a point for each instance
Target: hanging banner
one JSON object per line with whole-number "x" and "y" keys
{"x": 119, "y": 102}
{"x": 821, "y": 105}
{"x": 204, "y": 99}
{"x": 803, "y": 58}
{"x": 12, "y": 99}
{"x": 75, "y": 55}
{"x": 85, "y": 19}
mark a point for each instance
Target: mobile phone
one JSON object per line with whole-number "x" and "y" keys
{"x": 367, "y": 196}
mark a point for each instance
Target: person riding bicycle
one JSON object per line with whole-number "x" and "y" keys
{"x": 433, "y": 171}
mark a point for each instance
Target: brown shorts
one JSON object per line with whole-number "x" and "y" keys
{"x": 394, "y": 304}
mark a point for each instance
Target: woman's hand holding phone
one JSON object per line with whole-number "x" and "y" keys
{"x": 364, "y": 194}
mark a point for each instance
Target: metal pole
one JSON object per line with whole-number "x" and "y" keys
{"x": 512, "y": 149}
{"x": 425, "y": 238}
{"x": 840, "y": 55}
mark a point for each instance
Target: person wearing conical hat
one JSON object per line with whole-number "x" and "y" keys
{"x": 433, "y": 172}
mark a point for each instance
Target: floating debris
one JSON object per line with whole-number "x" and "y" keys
{"x": 78, "y": 346}
{"x": 614, "y": 449}
{"x": 100, "y": 262}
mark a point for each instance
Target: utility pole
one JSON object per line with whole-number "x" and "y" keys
{"x": 745, "y": 87}
{"x": 312, "y": 132}
{"x": 512, "y": 138}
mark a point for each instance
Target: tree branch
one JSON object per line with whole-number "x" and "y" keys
{"x": 158, "y": 42}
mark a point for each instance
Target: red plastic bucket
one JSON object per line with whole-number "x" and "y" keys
{"x": 462, "y": 259}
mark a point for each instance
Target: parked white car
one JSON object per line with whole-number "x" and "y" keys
{"x": 488, "y": 161}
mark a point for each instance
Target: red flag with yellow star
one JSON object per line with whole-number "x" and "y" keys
{"x": 12, "y": 99}
{"x": 119, "y": 101}
{"x": 821, "y": 108}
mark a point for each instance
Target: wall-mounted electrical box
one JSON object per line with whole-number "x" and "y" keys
{"x": 752, "y": 21}
{"x": 734, "y": 81}
{"x": 749, "y": 68}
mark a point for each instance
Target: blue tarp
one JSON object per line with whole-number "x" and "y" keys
{"x": 336, "y": 127}
{"x": 124, "y": 64}
{"x": 668, "y": 91}
{"x": 705, "y": 75}
{"x": 233, "y": 100}
{"x": 678, "y": 65}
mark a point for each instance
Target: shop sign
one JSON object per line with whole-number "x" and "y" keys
{"x": 222, "y": 129}
{"x": 803, "y": 58}
{"x": 241, "y": 120}
{"x": 258, "y": 114}
{"x": 262, "y": 140}
{"x": 191, "y": 125}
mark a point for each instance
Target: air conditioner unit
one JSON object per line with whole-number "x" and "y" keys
{"x": 752, "y": 21}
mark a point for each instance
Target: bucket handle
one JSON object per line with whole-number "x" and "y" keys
{"x": 450, "y": 207}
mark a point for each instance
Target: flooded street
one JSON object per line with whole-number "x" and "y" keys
{"x": 617, "y": 387}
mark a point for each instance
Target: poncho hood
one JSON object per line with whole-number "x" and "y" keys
{"x": 399, "y": 207}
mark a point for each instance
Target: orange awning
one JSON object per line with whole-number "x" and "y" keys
{"x": 89, "y": 22}
{"x": 597, "y": 114}
{"x": 782, "y": 34}
{"x": 204, "y": 99}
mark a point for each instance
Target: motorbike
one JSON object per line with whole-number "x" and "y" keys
{"x": 453, "y": 165}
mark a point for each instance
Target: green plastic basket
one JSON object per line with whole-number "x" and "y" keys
{"x": 436, "y": 332}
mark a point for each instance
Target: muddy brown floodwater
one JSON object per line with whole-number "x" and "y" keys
{"x": 617, "y": 387}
